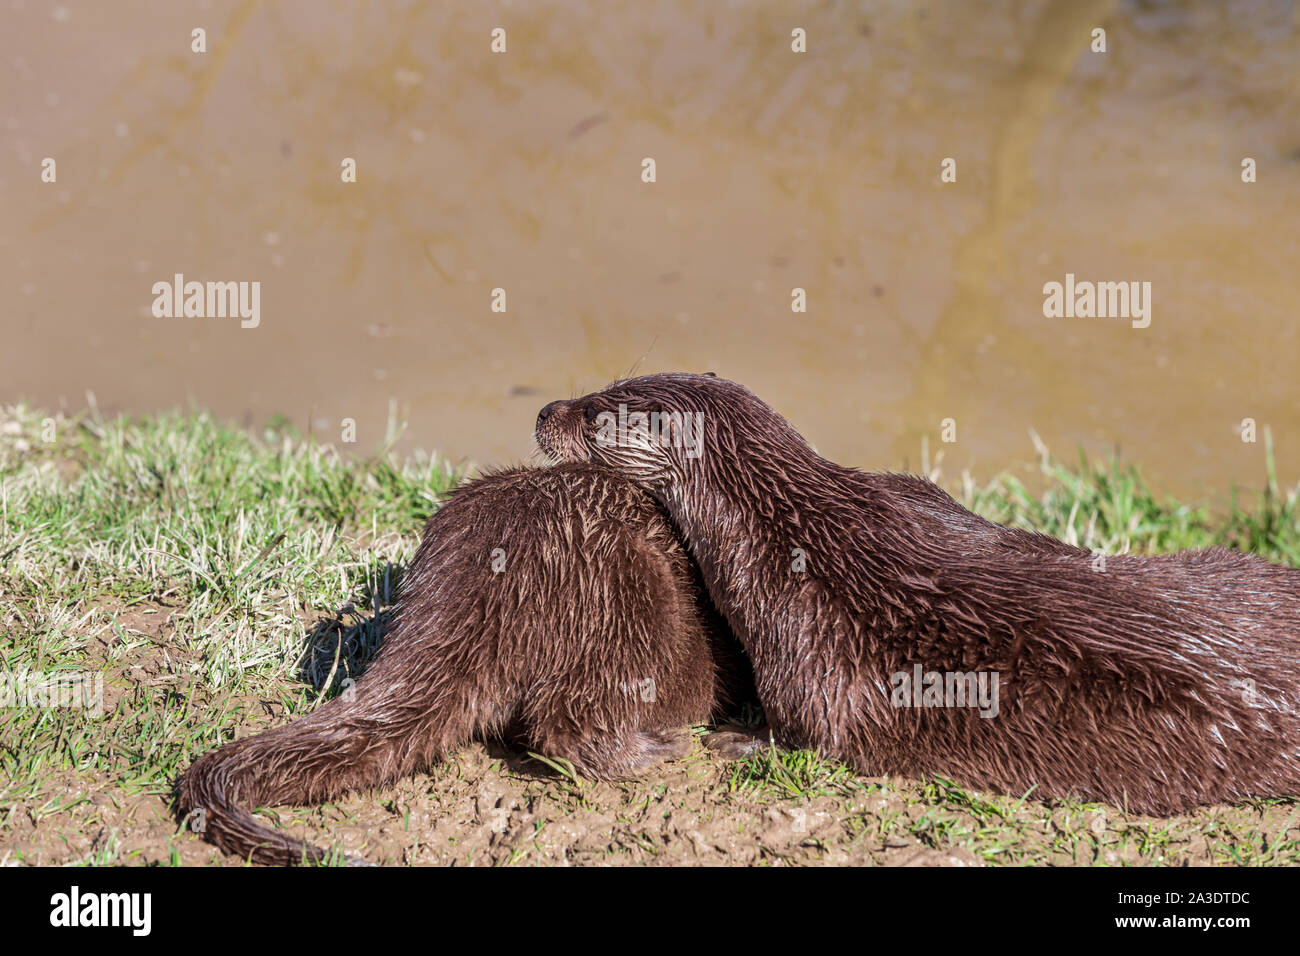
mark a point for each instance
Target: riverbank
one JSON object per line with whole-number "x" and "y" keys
{"x": 214, "y": 582}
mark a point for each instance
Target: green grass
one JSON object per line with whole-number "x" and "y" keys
{"x": 796, "y": 775}
{"x": 250, "y": 538}
{"x": 1107, "y": 506}
{"x": 254, "y": 546}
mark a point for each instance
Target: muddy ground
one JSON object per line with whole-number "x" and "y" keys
{"x": 492, "y": 806}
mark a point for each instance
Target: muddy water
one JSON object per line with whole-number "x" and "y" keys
{"x": 774, "y": 170}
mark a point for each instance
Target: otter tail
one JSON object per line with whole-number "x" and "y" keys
{"x": 344, "y": 745}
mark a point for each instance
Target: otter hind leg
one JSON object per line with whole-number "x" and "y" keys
{"x": 667, "y": 744}
{"x": 737, "y": 743}
{"x": 615, "y": 755}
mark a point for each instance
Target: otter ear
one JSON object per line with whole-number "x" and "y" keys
{"x": 711, "y": 374}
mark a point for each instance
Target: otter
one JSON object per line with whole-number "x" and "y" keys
{"x": 553, "y": 606}
{"x": 1156, "y": 684}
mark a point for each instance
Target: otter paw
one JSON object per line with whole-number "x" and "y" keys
{"x": 668, "y": 744}
{"x": 737, "y": 743}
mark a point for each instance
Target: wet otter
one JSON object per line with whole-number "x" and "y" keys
{"x": 586, "y": 636}
{"x": 1155, "y": 683}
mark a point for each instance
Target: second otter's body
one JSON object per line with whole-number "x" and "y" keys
{"x": 1156, "y": 683}
{"x": 554, "y": 606}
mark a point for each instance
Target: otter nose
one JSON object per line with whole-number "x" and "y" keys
{"x": 545, "y": 413}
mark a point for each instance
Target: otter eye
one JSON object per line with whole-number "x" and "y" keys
{"x": 589, "y": 414}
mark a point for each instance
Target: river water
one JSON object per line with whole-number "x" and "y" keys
{"x": 774, "y": 170}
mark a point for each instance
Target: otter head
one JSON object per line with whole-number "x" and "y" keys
{"x": 665, "y": 431}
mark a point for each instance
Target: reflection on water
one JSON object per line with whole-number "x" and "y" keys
{"x": 775, "y": 170}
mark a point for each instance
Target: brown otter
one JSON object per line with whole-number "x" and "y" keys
{"x": 586, "y": 636}
{"x": 1156, "y": 683}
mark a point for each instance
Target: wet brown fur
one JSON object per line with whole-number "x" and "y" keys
{"x": 1154, "y": 683}
{"x": 597, "y": 598}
